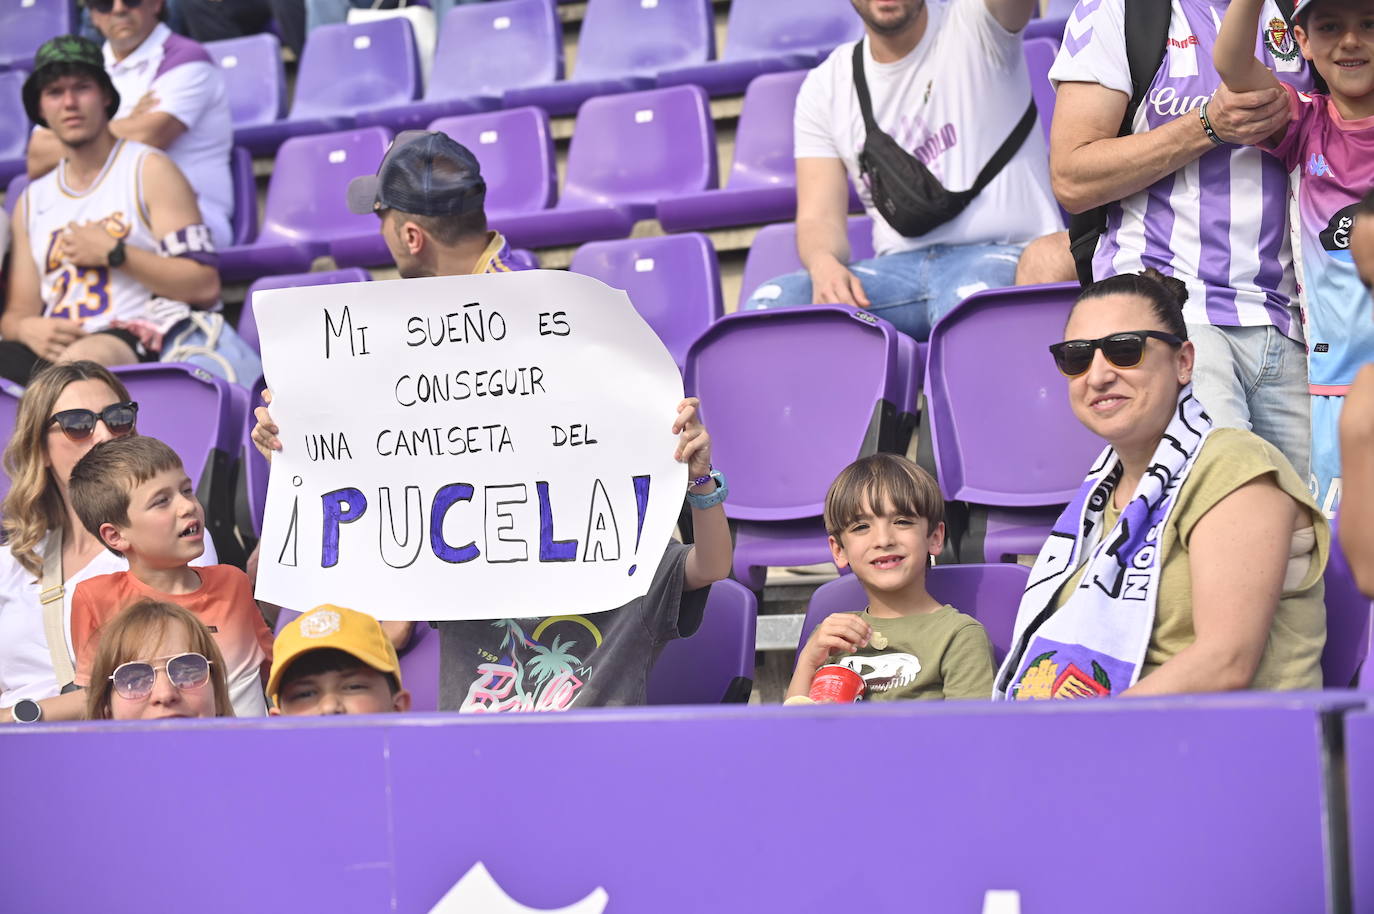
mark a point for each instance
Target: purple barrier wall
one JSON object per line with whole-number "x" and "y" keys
{"x": 1133, "y": 806}
{"x": 1359, "y": 763}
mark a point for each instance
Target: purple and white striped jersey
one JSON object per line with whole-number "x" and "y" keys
{"x": 1220, "y": 222}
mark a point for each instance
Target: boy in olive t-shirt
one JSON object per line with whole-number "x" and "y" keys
{"x": 885, "y": 517}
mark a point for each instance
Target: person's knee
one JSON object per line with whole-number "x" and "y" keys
{"x": 787, "y": 291}
{"x": 101, "y": 348}
{"x": 1047, "y": 259}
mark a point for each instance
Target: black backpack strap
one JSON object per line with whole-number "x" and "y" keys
{"x": 1009, "y": 148}
{"x": 861, "y": 88}
{"x": 1147, "y": 33}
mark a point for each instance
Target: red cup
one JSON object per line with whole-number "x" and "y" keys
{"x": 835, "y": 684}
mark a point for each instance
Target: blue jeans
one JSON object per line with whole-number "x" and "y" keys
{"x": 910, "y": 289}
{"x": 1256, "y": 378}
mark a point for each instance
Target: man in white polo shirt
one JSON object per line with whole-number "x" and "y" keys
{"x": 173, "y": 97}
{"x": 948, "y": 83}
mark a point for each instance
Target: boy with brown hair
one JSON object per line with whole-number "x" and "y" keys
{"x": 885, "y": 518}
{"x": 134, "y": 496}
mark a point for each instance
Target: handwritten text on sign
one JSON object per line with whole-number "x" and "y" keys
{"x": 466, "y": 447}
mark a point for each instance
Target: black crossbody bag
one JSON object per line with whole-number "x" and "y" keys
{"x": 909, "y": 197}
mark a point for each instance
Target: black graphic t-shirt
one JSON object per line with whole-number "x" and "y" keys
{"x": 557, "y": 662}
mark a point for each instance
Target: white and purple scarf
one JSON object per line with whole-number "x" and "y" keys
{"x": 1095, "y": 643}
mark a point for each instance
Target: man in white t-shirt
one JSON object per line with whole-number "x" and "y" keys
{"x": 173, "y": 98}
{"x": 948, "y": 82}
{"x": 1209, "y": 210}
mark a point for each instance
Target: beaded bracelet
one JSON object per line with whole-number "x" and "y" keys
{"x": 701, "y": 480}
{"x": 1207, "y": 125}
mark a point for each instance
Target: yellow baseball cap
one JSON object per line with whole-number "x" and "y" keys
{"x": 329, "y": 626}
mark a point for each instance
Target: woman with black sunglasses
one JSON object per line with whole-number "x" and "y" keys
{"x": 66, "y": 410}
{"x": 1191, "y": 558}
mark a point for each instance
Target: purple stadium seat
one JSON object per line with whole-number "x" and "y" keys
{"x": 780, "y": 466}
{"x": 202, "y": 418}
{"x": 344, "y": 68}
{"x": 25, "y": 26}
{"x": 306, "y": 203}
{"x": 764, "y": 36}
{"x": 762, "y": 186}
{"x": 774, "y": 251}
{"x": 623, "y": 43}
{"x": 515, "y": 150}
{"x": 483, "y": 50}
{"x": 606, "y": 191}
{"x": 1040, "y": 54}
{"x": 419, "y": 663}
{"x": 256, "y": 80}
{"x": 14, "y": 137}
{"x": 245, "y": 222}
{"x": 10, "y": 393}
{"x": 716, "y": 663}
{"x": 252, "y": 486}
{"x": 1045, "y": 28}
{"x": 1006, "y": 437}
{"x": 673, "y": 282}
{"x": 15, "y": 188}
{"x": 248, "y": 323}
{"x": 1349, "y": 624}
{"x": 988, "y": 593}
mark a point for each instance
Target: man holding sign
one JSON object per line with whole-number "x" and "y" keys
{"x": 513, "y": 461}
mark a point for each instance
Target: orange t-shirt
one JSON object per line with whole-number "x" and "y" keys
{"x": 224, "y": 602}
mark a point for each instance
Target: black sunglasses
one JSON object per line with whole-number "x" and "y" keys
{"x": 79, "y": 424}
{"x": 104, "y": 6}
{"x": 1124, "y": 350}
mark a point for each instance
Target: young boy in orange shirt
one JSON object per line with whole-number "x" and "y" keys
{"x": 134, "y": 496}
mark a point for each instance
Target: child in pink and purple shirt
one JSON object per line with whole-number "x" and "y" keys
{"x": 1328, "y": 148}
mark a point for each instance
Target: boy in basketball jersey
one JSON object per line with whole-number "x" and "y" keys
{"x": 117, "y": 250}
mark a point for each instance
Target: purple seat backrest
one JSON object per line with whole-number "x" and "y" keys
{"x": 255, "y": 466}
{"x": 515, "y": 149}
{"x": 774, "y": 251}
{"x": 700, "y": 668}
{"x": 15, "y": 188}
{"x": 671, "y": 133}
{"x": 988, "y": 593}
{"x": 1005, "y": 437}
{"x": 1349, "y": 616}
{"x": 346, "y": 67}
{"x": 307, "y": 196}
{"x": 625, "y": 37}
{"x": 419, "y": 663}
{"x": 761, "y": 28}
{"x": 14, "y": 137}
{"x": 248, "y": 321}
{"x": 673, "y": 282}
{"x": 10, "y": 393}
{"x": 186, "y": 407}
{"x": 1040, "y": 53}
{"x": 245, "y": 223}
{"x": 763, "y": 142}
{"x": 783, "y": 417}
{"x": 23, "y": 27}
{"x": 254, "y": 76}
{"x": 1045, "y": 28}
{"x": 488, "y": 48}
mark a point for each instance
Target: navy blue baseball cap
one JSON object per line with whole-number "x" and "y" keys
{"x": 424, "y": 173}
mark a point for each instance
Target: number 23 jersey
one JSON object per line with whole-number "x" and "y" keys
{"x": 98, "y": 297}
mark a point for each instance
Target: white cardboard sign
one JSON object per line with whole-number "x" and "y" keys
{"x": 466, "y": 447}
